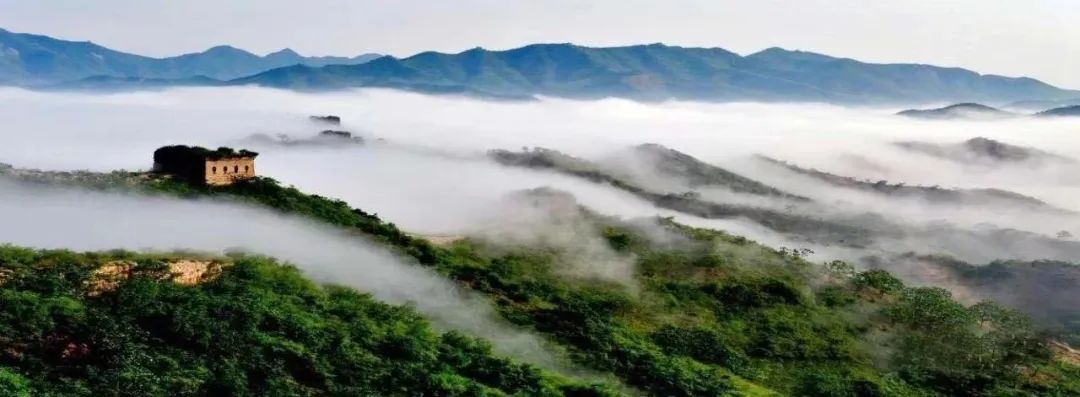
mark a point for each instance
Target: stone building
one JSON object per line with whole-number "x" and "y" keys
{"x": 220, "y": 167}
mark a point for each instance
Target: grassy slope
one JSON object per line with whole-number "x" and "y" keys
{"x": 718, "y": 314}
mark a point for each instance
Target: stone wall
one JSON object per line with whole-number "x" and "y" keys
{"x": 226, "y": 171}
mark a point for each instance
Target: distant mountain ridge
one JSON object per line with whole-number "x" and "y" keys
{"x": 1073, "y": 110}
{"x": 640, "y": 72}
{"x": 657, "y": 71}
{"x": 28, "y": 59}
{"x": 931, "y": 194}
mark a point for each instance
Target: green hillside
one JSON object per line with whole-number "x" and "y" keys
{"x": 256, "y": 329}
{"x": 712, "y": 314}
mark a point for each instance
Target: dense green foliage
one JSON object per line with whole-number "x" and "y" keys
{"x": 715, "y": 314}
{"x": 718, "y": 313}
{"x": 1047, "y": 288}
{"x": 258, "y": 329}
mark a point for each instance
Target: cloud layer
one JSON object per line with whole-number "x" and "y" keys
{"x": 424, "y": 169}
{"x": 43, "y": 217}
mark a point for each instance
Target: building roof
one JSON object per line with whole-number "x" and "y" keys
{"x": 183, "y": 153}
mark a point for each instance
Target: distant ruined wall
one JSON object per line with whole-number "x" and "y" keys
{"x": 226, "y": 171}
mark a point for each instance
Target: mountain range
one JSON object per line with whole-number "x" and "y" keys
{"x": 28, "y": 59}
{"x": 658, "y": 71}
{"x": 641, "y": 72}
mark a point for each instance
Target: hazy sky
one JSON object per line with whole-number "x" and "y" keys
{"x": 1038, "y": 38}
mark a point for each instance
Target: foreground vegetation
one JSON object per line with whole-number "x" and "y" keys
{"x": 714, "y": 314}
{"x": 257, "y": 329}
{"x": 719, "y": 314}
{"x": 1045, "y": 290}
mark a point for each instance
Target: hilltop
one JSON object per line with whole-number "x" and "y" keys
{"x": 985, "y": 151}
{"x": 1043, "y": 104}
{"x": 1073, "y": 110}
{"x": 958, "y": 111}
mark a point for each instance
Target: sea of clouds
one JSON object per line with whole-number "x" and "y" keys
{"x": 424, "y": 168}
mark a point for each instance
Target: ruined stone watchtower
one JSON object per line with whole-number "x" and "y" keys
{"x": 220, "y": 167}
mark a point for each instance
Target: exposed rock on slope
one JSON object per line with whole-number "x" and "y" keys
{"x": 183, "y": 272}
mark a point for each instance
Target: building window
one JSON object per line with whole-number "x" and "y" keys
{"x": 213, "y": 170}
{"x": 236, "y": 168}
{"x": 245, "y": 169}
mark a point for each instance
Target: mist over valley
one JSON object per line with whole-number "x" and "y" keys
{"x": 550, "y": 220}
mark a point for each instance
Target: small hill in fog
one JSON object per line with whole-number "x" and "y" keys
{"x": 671, "y": 163}
{"x": 1035, "y": 105}
{"x": 958, "y": 111}
{"x": 932, "y": 194}
{"x": 796, "y": 226}
{"x": 1062, "y": 111}
{"x": 984, "y": 151}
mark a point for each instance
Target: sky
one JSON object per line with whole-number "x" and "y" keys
{"x": 1036, "y": 38}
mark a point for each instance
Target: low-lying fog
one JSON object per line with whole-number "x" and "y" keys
{"x": 424, "y": 166}
{"x": 50, "y": 217}
{"x": 430, "y": 175}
